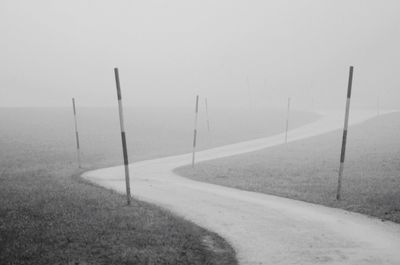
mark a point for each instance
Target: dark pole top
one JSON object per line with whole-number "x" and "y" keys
{"x": 117, "y": 83}
{"x": 350, "y": 82}
{"x": 73, "y": 105}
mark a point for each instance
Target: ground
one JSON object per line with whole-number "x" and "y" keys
{"x": 49, "y": 215}
{"x": 307, "y": 169}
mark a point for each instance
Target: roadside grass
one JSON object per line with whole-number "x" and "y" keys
{"x": 307, "y": 169}
{"x": 49, "y": 215}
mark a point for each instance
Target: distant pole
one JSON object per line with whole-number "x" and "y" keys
{"x": 123, "y": 137}
{"x": 76, "y": 134}
{"x": 344, "y": 139}
{"x": 287, "y": 119}
{"x": 208, "y": 121}
{"x": 195, "y": 129}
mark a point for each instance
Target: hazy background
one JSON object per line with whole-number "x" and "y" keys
{"x": 33, "y": 135}
{"x": 237, "y": 53}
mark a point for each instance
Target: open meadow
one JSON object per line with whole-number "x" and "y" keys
{"x": 49, "y": 215}
{"x": 308, "y": 169}
{"x": 129, "y": 130}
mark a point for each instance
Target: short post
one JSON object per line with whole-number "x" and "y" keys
{"x": 76, "y": 134}
{"x": 123, "y": 137}
{"x": 195, "y": 129}
{"x": 287, "y": 119}
{"x": 344, "y": 139}
{"x": 208, "y": 121}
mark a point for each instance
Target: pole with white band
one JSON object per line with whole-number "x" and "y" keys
{"x": 344, "y": 139}
{"x": 195, "y": 129}
{"x": 76, "y": 134}
{"x": 123, "y": 137}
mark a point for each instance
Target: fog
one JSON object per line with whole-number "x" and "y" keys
{"x": 235, "y": 53}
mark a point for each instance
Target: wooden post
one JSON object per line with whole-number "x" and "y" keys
{"x": 76, "y": 134}
{"x": 344, "y": 139}
{"x": 208, "y": 121}
{"x": 287, "y": 119}
{"x": 123, "y": 138}
{"x": 195, "y": 129}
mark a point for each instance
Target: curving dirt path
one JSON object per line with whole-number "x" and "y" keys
{"x": 263, "y": 229}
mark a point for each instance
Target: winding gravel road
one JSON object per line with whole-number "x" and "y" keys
{"x": 263, "y": 229}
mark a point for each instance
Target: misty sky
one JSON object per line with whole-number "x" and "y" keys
{"x": 233, "y": 52}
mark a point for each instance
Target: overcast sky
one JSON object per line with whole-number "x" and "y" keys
{"x": 233, "y": 52}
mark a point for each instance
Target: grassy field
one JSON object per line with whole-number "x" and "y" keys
{"x": 307, "y": 169}
{"x": 150, "y": 132}
{"x": 49, "y": 215}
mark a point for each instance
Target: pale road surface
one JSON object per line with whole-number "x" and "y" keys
{"x": 263, "y": 229}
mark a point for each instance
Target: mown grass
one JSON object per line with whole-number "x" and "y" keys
{"x": 307, "y": 169}
{"x": 49, "y": 215}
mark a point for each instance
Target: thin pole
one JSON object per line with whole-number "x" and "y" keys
{"x": 344, "y": 139}
{"x": 208, "y": 121}
{"x": 123, "y": 137}
{"x": 195, "y": 129}
{"x": 76, "y": 134}
{"x": 287, "y": 119}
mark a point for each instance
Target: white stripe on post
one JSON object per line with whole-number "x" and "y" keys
{"x": 123, "y": 137}
{"x": 195, "y": 130}
{"x": 76, "y": 134}
{"x": 208, "y": 121}
{"x": 344, "y": 139}
{"x": 287, "y": 120}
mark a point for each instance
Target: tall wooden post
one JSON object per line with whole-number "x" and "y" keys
{"x": 208, "y": 121}
{"x": 287, "y": 120}
{"x": 123, "y": 138}
{"x": 195, "y": 130}
{"x": 344, "y": 139}
{"x": 76, "y": 134}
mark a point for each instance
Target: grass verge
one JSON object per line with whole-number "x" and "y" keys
{"x": 49, "y": 215}
{"x": 307, "y": 169}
